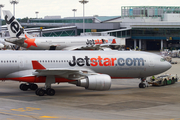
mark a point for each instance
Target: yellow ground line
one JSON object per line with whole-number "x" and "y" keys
{"x": 49, "y": 117}
{"x": 15, "y": 114}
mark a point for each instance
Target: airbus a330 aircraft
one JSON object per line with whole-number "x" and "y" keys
{"x": 21, "y": 38}
{"x": 90, "y": 69}
{"x": 3, "y": 44}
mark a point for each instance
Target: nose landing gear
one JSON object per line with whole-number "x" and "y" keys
{"x": 143, "y": 83}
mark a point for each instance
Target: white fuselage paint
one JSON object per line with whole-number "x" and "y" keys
{"x": 69, "y": 43}
{"x": 14, "y": 64}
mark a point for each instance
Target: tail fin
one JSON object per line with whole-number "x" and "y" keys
{"x": 114, "y": 41}
{"x": 14, "y": 27}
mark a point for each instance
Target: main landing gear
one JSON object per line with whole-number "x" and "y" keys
{"x": 42, "y": 92}
{"x": 38, "y": 91}
{"x": 47, "y": 89}
{"x": 143, "y": 83}
{"x": 30, "y": 86}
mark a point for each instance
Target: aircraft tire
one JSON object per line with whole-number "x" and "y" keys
{"x": 50, "y": 92}
{"x": 41, "y": 92}
{"x": 143, "y": 85}
{"x": 140, "y": 85}
{"x": 33, "y": 86}
{"x": 24, "y": 87}
{"x": 20, "y": 86}
{"x": 37, "y": 90}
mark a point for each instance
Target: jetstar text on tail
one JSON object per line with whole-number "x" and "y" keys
{"x": 99, "y": 61}
{"x": 14, "y": 26}
{"x": 96, "y": 42}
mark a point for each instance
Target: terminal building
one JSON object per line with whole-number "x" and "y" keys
{"x": 145, "y": 27}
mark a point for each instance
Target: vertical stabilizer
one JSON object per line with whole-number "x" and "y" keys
{"x": 14, "y": 27}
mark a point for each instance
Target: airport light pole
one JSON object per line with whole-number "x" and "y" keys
{"x": 83, "y": 2}
{"x": 0, "y": 19}
{"x": 14, "y": 2}
{"x": 74, "y": 13}
{"x": 36, "y": 14}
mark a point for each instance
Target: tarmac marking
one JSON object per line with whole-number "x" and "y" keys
{"x": 15, "y": 114}
{"x": 49, "y": 117}
{"x": 26, "y": 109}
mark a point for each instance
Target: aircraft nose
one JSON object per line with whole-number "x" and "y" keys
{"x": 166, "y": 66}
{"x": 161, "y": 67}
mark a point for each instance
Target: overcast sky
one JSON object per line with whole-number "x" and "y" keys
{"x": 63, "y": 8}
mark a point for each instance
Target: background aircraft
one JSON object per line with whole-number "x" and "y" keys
{"x": 90, "y": 69}
{"x": 21, "y": 38}
{"x": 7, "y": 45}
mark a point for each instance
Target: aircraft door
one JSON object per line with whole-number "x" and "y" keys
{"x": 21, "y": 62}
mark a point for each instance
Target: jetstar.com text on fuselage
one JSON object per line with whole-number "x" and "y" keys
{"x": 106, "y": 61}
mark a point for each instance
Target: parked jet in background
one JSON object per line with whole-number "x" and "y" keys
{"x": 21, "y": 38}
{"x": 3, "y": 44}
{"x": 90, "y": 69}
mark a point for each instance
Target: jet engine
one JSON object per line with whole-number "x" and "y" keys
{"x": 95, "y": 82}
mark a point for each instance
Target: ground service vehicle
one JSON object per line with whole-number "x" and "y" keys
{"x": 161, "y": 80}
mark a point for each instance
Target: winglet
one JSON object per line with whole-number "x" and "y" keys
{"x": 36, "y": 65}
{"x": 114, "y": 41}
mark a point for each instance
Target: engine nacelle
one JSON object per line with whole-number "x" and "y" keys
{"x": 96, "y": 82}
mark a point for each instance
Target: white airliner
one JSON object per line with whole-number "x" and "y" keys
{"x": 21, "y": 38}
{"x": 3, "y": 44}
{"x": 90, "y": 69}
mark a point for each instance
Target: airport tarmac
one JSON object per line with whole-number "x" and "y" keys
{"x": 124, "y": 101}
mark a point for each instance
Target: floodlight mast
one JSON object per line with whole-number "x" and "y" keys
{"x": 1, "y": 6}
{"x": 74, "y": 11}
{"x": 36, "y": 14}
{"x": 74, "y": 14}
{"x": 83, "y": 2}
{"x": 14, "y": 2}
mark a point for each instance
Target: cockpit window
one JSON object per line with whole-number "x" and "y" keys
{"x": 162, "y": 60}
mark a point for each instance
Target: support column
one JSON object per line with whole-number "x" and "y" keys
{"x": 140, "y": 44}
{"x": 161, "y": 44}
{"x": 135, "y": 44}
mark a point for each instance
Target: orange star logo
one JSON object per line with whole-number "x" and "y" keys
{"x": 30, "y": 42}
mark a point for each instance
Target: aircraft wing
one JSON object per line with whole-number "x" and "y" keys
{"x": 18, "y": 41}
{"x": 73, "y": 48}
{"x": 94, "y": 47}
{"x": 68, "y": 73}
